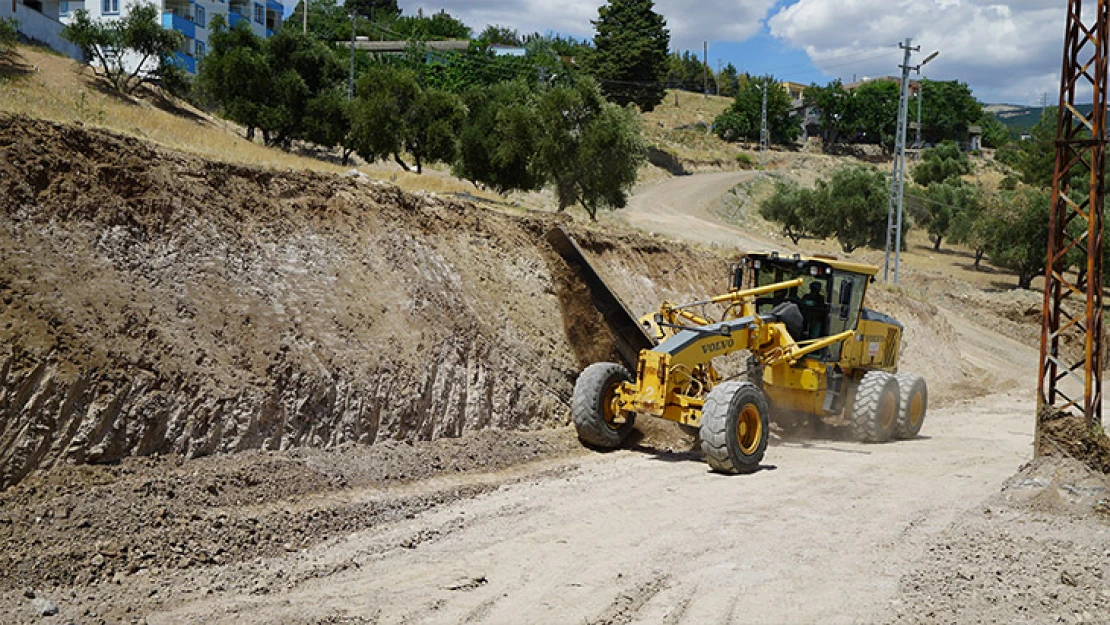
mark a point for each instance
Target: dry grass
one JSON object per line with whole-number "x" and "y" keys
{"x": 672, "y": 127}
{"x": 46, "y": 86}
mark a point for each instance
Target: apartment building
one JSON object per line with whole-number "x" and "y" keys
{"x": 191, "y": 18}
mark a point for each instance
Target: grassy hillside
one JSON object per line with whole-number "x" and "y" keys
{"x": 43, "y": 85}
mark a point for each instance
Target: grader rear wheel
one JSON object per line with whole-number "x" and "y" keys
{"x": 875, "y": 411}
{"x": 734, "y": 427}
{"x": 914, "y": 403}
{"x": 594, "y": 409}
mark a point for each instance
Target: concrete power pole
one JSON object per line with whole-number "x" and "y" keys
{"x": 304, "y": 17}
{"x": 920, "y": 89}
{"x": 764, "y": 135}
{"x": 705, "y": 67}
{"x": 898, "y": 174}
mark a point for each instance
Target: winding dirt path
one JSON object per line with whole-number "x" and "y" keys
{"x": 681, "y": 207}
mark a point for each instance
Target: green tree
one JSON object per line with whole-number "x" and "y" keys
{"x": 854, "y": 204}
{"x": 393, "y": 114}
{"x": 850, "y": 206}
{"x": 1017, "y": 232}
{"x": 497, "y": 35}
{"x": 589, "y": 150}
{"x": 948, "y": 109}
{"x": 686, "y": 71}
{"x": 630, "y": 53}
{"x": 290, "y": 86}
{"x": 437, "y": 27}
{"x": 834, "y": 104}
{"x": 796, "y": 209}
{"x": 743, "y": 119}
{"x": 729, "y": 81}
{"x": 377, "y": 10}
{"x": 9, "y": 33}
{"x": 937, "y": 206}
{"x": 995, "y": 133}
{"x": 872, "y": 112}
{"x": 940, "y": 164}
{"x": 1036, "y": 160}
{"x": 235, "y": 75}
{"x": 383, "y": 97}
{"x": 968, "y": 227}
{"x": 129, "y": 52}
{"x": 498, "y": 141}
{"x": 327, "y": 20}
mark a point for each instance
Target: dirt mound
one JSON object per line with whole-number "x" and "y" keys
{"x": 1071, "y": 436}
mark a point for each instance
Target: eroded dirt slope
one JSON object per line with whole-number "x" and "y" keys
{"x": 154, "y": 302}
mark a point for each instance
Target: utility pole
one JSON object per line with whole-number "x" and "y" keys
{"x": 705, "y": 67}
{"x": 351, "y": 78}
{"x": 763, "y": 134}
{"x": 304, "y": 17}
{"x": 920, "y": 93}
{"x": 898, "y": 174}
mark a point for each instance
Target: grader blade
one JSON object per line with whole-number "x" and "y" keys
{"x": 631, "y": 336}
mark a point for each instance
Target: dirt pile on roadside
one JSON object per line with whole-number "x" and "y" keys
{"x": 1071, "y": 436}
{"x": 156, "y": 302}
{"x": 1039, "y": 552}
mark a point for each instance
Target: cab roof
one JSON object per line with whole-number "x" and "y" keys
{"x": 835, "y": 263}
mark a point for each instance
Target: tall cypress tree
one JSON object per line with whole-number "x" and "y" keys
{"x": 630, "y": 56}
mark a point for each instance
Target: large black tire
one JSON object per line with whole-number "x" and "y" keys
{"x": 875, "y": 411}
{"x": 595, "y": 418}
{"x": 734, "y": 427}
{"x": 914, "y": 403}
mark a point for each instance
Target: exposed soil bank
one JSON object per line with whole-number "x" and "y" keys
{"x": 155, "y": 302}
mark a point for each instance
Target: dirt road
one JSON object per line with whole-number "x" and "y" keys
{"x": 643, "y": 535}
{"x": 681, "y": 207}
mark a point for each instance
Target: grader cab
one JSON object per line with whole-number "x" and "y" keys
{"x": 815, "y": 350}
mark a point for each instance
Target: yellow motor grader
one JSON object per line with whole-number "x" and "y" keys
{"x": 814, "y": 350}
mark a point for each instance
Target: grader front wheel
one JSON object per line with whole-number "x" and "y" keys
{"x": 594, "y": 408}
{"x": 734, "y": 427}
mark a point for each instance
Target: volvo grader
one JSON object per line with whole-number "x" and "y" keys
{"x": 814, "y": 350}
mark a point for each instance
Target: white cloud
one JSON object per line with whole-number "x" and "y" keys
{"x": 1006, "y": 51}
{"x": 709, "y": 20}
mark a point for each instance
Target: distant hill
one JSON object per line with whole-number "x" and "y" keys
{"x": 1019, "y": 118}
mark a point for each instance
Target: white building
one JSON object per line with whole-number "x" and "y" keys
{"x": 39, "y": 21}
{"x": 191, "y": 18}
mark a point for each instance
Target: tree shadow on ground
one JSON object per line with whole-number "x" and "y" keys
{"x": 13, "y": 66}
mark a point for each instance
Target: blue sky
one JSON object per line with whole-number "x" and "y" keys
{"x": 1006, "y": 51}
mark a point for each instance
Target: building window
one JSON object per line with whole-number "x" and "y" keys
{"x": 109, "y": 7}
{"x": 63, "y": 8}
{"x": 260, "y": 14}
{"x": 200, "y": 18}
{"x": 201, "y": 49}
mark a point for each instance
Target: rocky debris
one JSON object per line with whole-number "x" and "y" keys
{"x": 44, "y": 607}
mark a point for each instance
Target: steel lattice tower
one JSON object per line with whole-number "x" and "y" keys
{"x": 1070, "y": 375}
